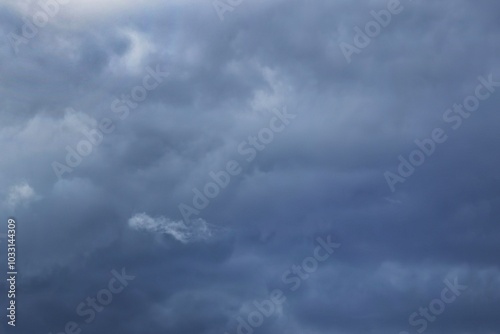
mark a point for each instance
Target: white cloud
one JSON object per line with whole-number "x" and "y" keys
{"x": 20, "y": 194}
{"x": 184, "y": 232}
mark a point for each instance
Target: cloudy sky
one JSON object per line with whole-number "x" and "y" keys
{"x": 179, "y": 160}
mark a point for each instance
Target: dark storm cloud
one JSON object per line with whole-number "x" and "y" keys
{"x": 322, "y": 175}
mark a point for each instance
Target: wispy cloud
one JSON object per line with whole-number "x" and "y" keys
{"x": 185, "y": 232}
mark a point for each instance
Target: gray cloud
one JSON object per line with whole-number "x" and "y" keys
{"x": 323, "y": 175}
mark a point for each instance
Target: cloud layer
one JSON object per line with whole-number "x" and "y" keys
{"x": 324, "y": 174}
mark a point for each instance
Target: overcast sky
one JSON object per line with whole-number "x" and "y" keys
{"x": 204, "y": 148}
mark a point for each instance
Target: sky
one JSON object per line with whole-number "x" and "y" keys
{"x": 236, "y": 166}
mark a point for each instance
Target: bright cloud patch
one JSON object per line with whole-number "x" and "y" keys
{"x": 19, "y": 194}
{"x": 184, "y": 232}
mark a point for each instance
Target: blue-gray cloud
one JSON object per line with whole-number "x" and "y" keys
{"x": 324, "y": 174}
